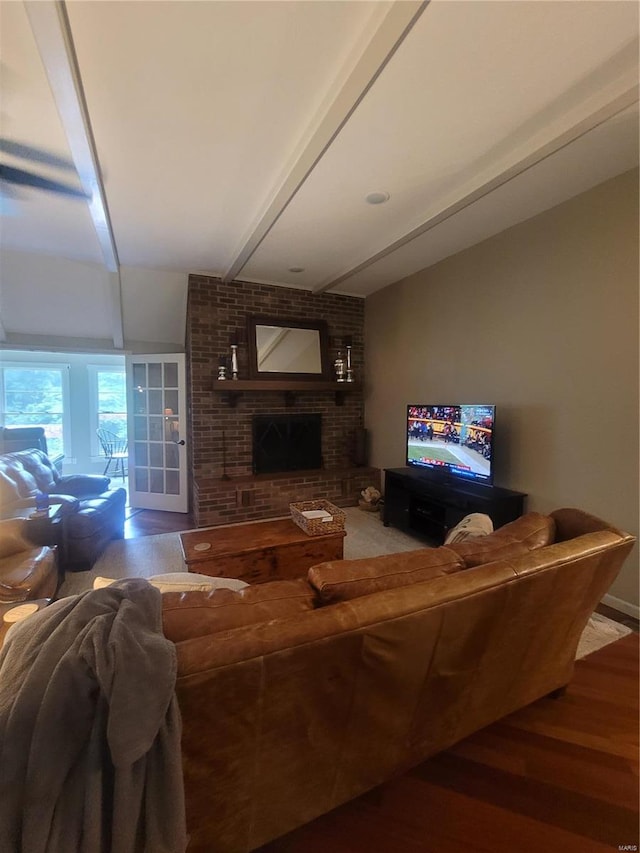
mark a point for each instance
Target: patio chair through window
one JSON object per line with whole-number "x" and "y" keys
{"x": 115, "y": 451}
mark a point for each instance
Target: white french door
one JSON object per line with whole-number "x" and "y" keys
{"x": 157, "y": 429}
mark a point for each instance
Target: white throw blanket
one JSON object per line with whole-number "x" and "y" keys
{"x": 471, "y": 526}
{"x": 90, "y": 758}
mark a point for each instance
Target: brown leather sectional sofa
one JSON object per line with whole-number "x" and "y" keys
{"x": 297, "y": 696}
{"x": 91, "y": 513}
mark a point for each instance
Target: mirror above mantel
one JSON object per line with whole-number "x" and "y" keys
{"x": 287, "y": 349}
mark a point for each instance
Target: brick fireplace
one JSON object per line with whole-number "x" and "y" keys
{"x": 224, "y": 488}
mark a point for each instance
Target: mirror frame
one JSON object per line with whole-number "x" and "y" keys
{"x": 287, "y": 323}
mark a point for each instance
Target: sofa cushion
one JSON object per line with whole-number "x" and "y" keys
{"x": 40, "y": 467}
{"x": 514, "y": 539}
{"x": 195, "y": 614}
{"x": 82, "y": 485}
{"x": 532, "y": 529}
{"x": 23, "y": 482}
{"x": 341, "y": 580}
{"x": 487, "y": 549}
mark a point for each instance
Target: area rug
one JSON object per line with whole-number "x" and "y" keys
{"x": 366, "y": 537}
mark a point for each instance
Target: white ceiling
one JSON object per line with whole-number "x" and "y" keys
{"x": 240, "y": 138}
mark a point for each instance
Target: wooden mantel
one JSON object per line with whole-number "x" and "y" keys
{"x": 234, "y": 388}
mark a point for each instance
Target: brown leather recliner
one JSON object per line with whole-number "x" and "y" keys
{"x": 93, "y": 514}
{"x": 27, "y": 571}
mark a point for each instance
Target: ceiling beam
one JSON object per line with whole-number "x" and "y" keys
{"x": 115, "y": 293}
{"x": 331, "y": 118}
{"x": 560, "y": 140}
{"x": 52, "y": 32}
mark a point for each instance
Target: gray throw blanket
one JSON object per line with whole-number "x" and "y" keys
{"x": 90, "y": 758}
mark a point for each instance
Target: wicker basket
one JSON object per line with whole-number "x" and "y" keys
{"x": 317, "y": 526}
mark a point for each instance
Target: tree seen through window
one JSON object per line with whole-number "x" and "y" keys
{"x": 33, "y": 396}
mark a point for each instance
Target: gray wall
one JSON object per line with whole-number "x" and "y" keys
{"x": 542, "y": 320}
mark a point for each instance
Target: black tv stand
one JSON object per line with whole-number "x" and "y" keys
{"x": 429, "y": 506}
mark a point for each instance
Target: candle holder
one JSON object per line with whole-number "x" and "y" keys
{"x": 339, "y": 367}
{"x": 234, "y": 361}
{"x": 349, "y": 367}
{"x": 222, "y": 367}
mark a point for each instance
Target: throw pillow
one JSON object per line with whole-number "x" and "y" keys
{"x": 342, "y": 580}
{"x": 532, "y": 529}
{"x": 514, "y": 539}
{"x": 487, "y": 549}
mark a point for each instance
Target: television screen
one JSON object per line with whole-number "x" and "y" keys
{"x": 453, "y": 440}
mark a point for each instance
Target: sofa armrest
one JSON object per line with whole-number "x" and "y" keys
{"x": 70, "y": 503}
{"x": 82, "y": 485}
{"x": 13, "y": 537}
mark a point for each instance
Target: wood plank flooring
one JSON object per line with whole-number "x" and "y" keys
{"x": 150, "y": 522}
{"x": 559, "y": 775}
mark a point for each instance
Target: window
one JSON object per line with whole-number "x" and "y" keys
{"x": 38, "y": 395}
{"x": 109, "y": 401}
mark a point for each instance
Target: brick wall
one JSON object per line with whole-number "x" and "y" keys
{"x": 216, "y": 313}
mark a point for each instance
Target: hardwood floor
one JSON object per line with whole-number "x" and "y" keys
{"x": 559, "y": 775}
{"x": 149, "y": 522}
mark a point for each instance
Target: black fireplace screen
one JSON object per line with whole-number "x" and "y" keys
{"x": 286, "y": 443}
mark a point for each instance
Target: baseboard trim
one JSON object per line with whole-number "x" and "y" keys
{"x": 622, "y": 606}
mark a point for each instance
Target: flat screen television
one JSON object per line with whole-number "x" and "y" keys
{"x": 453, "y": 441}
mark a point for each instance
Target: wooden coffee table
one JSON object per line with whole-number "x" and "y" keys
{"x": 258, "y": 552}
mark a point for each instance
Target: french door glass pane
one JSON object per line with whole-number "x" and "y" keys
{"x": 171, "y": 375}
{"x": 140, "y": 428}
{"x": 140, "y": 375}
{"x": 155, "y": 402}
{"x": 141, "y": 480}
{"x": 142, "y": 456}
{"x": 156, "y": 480}
{"x": 171, "y": 406}
{"x": 172, "y": 456}
{"x": 172, "y": 482}
{"x": 155, "y": 455}
{"x": 155, "y": 375}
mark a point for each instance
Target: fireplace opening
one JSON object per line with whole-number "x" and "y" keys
{"x": 286, "y": 443}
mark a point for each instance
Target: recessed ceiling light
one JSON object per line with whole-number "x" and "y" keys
{"x": 296, "y": 269}
{"x": 377, "y": 197}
